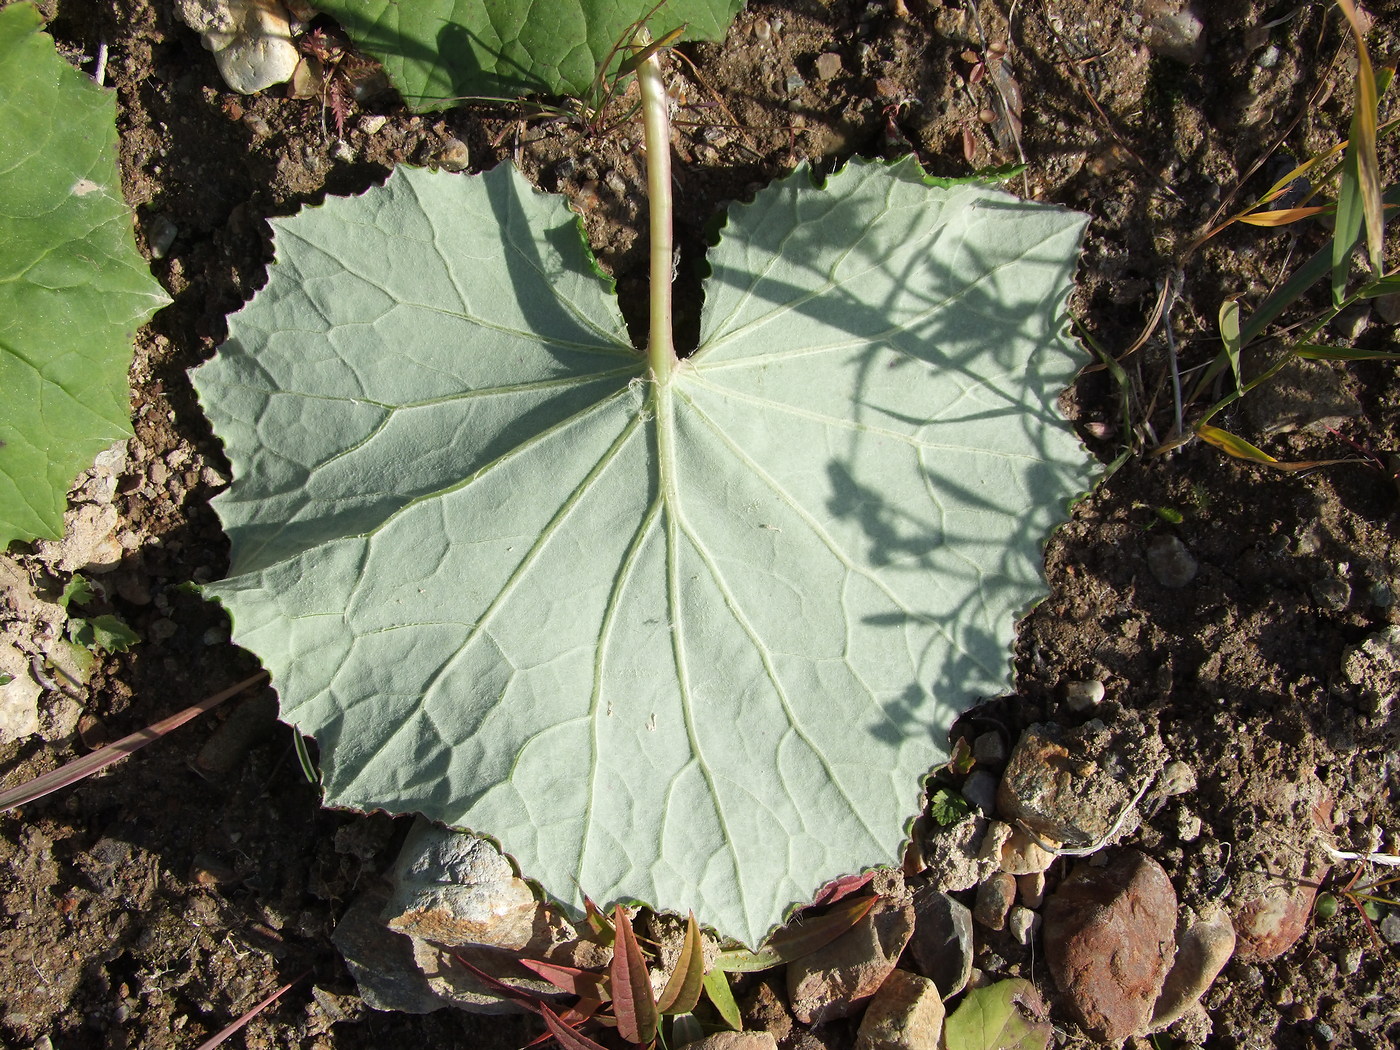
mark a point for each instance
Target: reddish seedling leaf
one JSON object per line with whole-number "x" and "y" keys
{"x": 682, "y": 990}
{"x": 633, "y": 1005}
{"x": 798, "y": 938}
{"x": 582, "y": 983}
{"x": 838, "y": 889}
{"x": 597, "y": 921}
{"x": 219, "y": 1038}
{"x": 568, "y": 1038}
{"x": 79, "y": 768}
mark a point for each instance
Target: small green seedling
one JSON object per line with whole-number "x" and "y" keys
{"x": 1358, "y": 215}
{"x": 1370, "y": 904}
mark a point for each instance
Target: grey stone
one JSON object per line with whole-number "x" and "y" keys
{"x": 454, "y": 888}
{"x": 380, "y": 960}
{"x": 1303, "y": 395}
{"x": 1173, "y": 30}
{"x": 1022, "y": 923}
{"x": 1082, "y": 696}
{"x": 1170, "y": 563}
{"x": 941, "y": 946}
{"x": 953, "y": 856}
{"x": 990, "y": 749}
{"x": 1072, "y": 786}
{"x": 980, "y": 789}
{"x": 1390, "y": 927}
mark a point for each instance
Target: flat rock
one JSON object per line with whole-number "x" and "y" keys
{"x": 454, "y": 888}
{"x": 1072, "y": 785}
{"x": 1202, "y": 950}
{"x": 734, "y": 1041}
{"x": 837, "y": 978}
{"x": 905, "y": 1014}
{"x": 994, "y": 900}
{"x": 1311, "y": 396}
{"x": 380, "y": 960}
{"x": 1373, "y": 670}
{"x": 941, "y": 946}
{"x": 1109, "y": 941}
{"x": 1172, "y": 29}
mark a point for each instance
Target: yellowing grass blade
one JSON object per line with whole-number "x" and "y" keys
{"x": 1363, "y": 136}
{"x": 1283, "y": 216}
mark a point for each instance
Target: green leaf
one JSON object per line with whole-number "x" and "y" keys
{"x": 78, "y": 591}
{"x": 1008, "y": 1015}
{"x": 73, "y": 289}
{"x": 947, "y": 807}
{"x": 107, "y": 633}
{"x": 439, "y": 50}
{"x": 1230, "y": 336}
{"x": 721, "y": 997}
{"x": 692, "y": 644}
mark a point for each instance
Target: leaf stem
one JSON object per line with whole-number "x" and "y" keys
{"x": 661, "y": 350}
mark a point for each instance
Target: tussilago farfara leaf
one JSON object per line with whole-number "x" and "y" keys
{"x": 73, "y": 289}
{"x": 695, "y": 644}
{"x": 439, "y": 50}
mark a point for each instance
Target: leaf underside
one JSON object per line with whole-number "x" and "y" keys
{"x": 73, "y": 289}
{"x": 696, "y": 645}
{"x": 439, "y": 50}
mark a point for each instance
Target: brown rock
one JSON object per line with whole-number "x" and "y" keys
{"x": 994, "y": 900}
{"x": 1109, "y": 940}
{"x": 906, "y": 1014}
{"x": 1277, "y": 904}
{"x": 834, "y": 980}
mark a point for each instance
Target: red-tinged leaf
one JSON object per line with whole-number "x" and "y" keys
{"x": 633, "y": 1005}
{"x": 798, "y": 938}
{"x": 218, "y": 1039}
{"x": 525, "y": 999}
{"x": 582, "y": 983}
{"x": 682, "y": 990}
{"x": 581, "y": 1011}
{"x": 837, "y": 889}
{"x": 1283, "y": 216}
{"x": 722, "y": 999}
{"x": 103, "y": 757}
{"x": 568, "y": 1038}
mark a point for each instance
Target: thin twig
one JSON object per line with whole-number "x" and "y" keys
{"x": 99, "y": 74}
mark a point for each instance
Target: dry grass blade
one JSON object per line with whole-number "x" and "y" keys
{"x": 103, "y": 757}
{"x": 218, "y": 1039}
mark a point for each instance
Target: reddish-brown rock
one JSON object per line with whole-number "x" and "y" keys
{"x": 835, "y": 980}
{"x": 1109, "y": 941}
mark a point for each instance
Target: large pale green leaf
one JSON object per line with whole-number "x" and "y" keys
{"x": 73, "y": 289}
{"x": 439, "y": 50}
{"x": 695, "y": 644}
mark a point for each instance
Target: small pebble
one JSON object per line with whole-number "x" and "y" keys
{"x": 160, "y": 235}
{"x": 980, "y": 789}
{"x": 793, "y": 84}
{"x": 342, "y": 151}
{"x": 994, "y": 900}
{"x": 1178, "y": 778}
{"x": 1081, "y": 696}
{"x": 989, "y": 749}
{"x": 1021, "y": 923}
{"x": 1324, "y": 1031}
{"x": 828, "y": 65}
{"x": 1031, "y": 889}
{"x": 373, "y": 124}
{"x": 1170, "y": 562}
{"x": 1269, "y": 58}
{"x": 454, "y": 155}
{"x": 1390, "y": 928}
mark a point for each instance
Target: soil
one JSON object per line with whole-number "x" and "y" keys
{"x": 153, "y": 904}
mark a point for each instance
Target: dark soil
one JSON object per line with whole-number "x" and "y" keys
{"x": 151, "y": 905}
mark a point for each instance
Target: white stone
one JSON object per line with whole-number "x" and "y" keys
{"x": 251, "y": 40}
{"x": 19, "y": 697}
